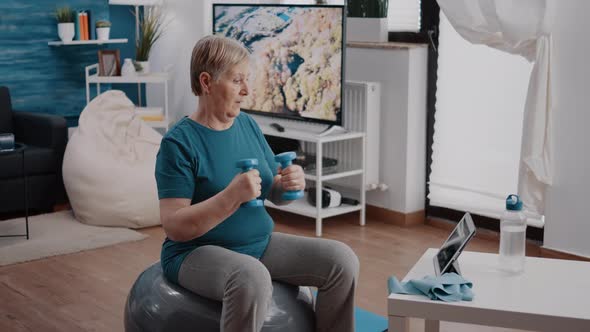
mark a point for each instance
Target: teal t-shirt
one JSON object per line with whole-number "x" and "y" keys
{"x": 197, "y": 162}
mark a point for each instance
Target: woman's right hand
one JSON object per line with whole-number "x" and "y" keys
{"x": 246, "y": 186}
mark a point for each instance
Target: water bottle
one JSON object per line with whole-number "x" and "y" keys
{"x": 512, "y": 236}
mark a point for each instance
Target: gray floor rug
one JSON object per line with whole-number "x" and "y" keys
{"x": 54, "y": 234}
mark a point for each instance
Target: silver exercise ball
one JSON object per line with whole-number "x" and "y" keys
{"x": 155, "y": 304}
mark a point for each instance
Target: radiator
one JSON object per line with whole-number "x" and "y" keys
{"x": 361, "y": 112}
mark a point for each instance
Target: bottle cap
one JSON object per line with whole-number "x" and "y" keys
{"x": 513, "y": 203}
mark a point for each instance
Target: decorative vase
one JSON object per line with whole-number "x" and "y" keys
{"x": 365, "y": 29}
{"x": 128, "y": 68}
{"x": 144, "y": 67}
{"x": 103, "y": 33}
{"x": 65, "y": 31}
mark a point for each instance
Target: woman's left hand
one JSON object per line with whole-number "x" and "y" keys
{"x": 292, "y": 178}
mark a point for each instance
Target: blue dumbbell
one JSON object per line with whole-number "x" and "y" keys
{"x": 286, "y": 159}
{"x": 246, "y": 165}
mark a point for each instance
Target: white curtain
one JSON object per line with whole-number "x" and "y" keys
{"x": 517, "y": 27}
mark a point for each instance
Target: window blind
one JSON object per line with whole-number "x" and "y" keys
{"x": 403, "y": 15}
{"x": 480, "y": 101}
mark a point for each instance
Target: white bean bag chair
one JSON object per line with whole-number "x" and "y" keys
{"x": 109, "y": 162}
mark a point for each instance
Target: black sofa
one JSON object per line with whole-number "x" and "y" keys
{"x": 45, "y": 136}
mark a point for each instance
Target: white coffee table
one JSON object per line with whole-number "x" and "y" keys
{"x": 551, "y": 295}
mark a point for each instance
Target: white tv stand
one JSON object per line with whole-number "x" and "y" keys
{"x": 301, "y": 206}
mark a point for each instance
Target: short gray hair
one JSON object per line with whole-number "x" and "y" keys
{"x": 214, "y": 55}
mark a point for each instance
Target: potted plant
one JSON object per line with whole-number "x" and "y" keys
{"x": 151, "y": 27}
{"x": 103, "y": 29}
{"x": 367, "y": 20}
{"x": 65, "y": 23}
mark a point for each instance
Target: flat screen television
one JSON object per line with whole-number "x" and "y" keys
{"x": 296, "y": 63}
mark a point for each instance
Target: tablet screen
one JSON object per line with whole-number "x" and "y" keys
{"x": 455, "y": 243}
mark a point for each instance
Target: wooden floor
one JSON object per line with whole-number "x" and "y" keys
{"x": 87, "y": 291}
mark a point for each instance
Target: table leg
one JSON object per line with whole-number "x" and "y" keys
{"x": 26, "y": 185}
{"x": 431, "y": 325}
{"x": 399, "y": 324}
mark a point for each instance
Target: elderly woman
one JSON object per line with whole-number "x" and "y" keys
{"x": 214, "y": 247}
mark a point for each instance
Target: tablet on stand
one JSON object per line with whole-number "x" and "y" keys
{"x": 446, "y": 259}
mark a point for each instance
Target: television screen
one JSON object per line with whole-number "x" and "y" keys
{"x": 296, "y": 62}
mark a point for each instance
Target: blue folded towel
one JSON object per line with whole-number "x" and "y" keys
{"x": 449, "y": 287}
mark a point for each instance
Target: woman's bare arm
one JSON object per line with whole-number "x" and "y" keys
{"x": 183, "y": 221}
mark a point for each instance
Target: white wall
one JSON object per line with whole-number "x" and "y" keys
{"x": 416, "y": 134}
{"x": 402, "y": 74}
{"x": 567, "y": 215}
{"x": 186, "y": 26}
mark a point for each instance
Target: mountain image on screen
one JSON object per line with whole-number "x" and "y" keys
{"x": 296, "y": 57}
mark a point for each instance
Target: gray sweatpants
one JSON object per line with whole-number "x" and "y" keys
{"x": 243, "y": 283}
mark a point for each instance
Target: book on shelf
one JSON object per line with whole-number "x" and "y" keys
{"x": 150, "y": 114}
{"x": 152, "y": 117}
{"x": 77, "y": 26}
{"x": 90, "y": 24}
{"x": 83, "y": 25}
{"x": 86, "y": 26}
